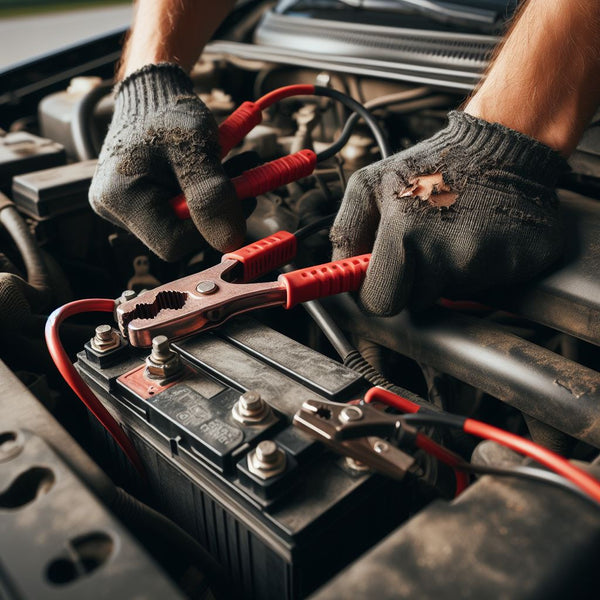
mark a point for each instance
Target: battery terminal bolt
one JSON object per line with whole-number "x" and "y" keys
{"x": 251, "y": 409}
{"x": 267, "y": 460}
{"x": 105, "y": 339}
{"x": 163, "y": 363}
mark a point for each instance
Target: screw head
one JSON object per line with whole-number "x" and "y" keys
{"x": 380, "y": 447}
{"x": 161, "y": 349}
{"x": 351, "y": 413}
{"x": 160, "y": 343}
{"x": 163, "y": 362}
{"x": 128, "y": 295}
{"x": 267, "y": 451}
{"x": 251, "y": 401}
{"x": 356, "y": 465}
{"x": 267, "y": 460}
{"x": 251, "y": 409}
{"x": 207, "y": 287}
{"x": 104, "y": 332}
{"x": 105, "y": 339}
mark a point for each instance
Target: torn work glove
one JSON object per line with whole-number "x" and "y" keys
{"x": 163, "y": 140}
{"x": 470, "y": 208}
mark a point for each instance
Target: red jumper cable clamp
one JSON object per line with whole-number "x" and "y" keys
{"x": 265, "y": 177}
{"x": 351, "y": 430}
{"x": 206, "y": 299}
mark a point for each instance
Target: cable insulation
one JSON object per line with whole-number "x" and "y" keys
{"x": 282, "y": 93}
{"x": 72, "y": 377}
{"x": 425, "y": 443}
{"x": 444, "y": 455}
{"x": 546, "y": 457}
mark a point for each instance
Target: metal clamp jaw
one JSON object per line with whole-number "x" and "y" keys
{"x": 193, "y": 303}
{"x": 352, "y": 430}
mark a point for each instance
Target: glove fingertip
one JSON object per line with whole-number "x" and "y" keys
{"x": 388, "y": 284}
{"x": 340, "y": 253}
{"x": 376, "y": 304}
{"x": 225, "y": 235}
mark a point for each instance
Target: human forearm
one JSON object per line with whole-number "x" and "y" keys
{"x": 171, "y": 31}
{"x": 545, "y": 81}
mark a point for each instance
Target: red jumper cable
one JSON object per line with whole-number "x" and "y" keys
{"x": 584, "y": 481}
{"x": 283, "y": 170}
{"x": 76, "y": 383}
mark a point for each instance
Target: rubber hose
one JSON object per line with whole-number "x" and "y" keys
{"x": 37, "y": 275}
{"x": 355, "y": 361}
{"x": 16, "y": 298}
{"x": 81, "y": 124}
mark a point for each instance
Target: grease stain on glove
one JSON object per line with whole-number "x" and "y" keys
{"x": 163, "y": 140}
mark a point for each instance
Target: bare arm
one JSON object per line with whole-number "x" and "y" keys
{"x": 173, "y": 31}
{"x": 545, "y": 80}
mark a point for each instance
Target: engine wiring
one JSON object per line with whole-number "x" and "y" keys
{"x": 358, "y": 109}
{"x": 75, "y": 381}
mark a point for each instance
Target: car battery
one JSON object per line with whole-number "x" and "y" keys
{"x": 280, "y": 512}
{"x": 48, "y": 193}
{"x": 22, "y": 152}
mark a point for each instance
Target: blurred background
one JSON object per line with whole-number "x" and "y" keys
{"x": 33, "y": 28}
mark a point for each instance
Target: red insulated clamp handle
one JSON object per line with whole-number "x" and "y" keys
{"x": 263, "y": 256}
{"x": 261, "y": 179}
{"x": 274, "y": 174}
{"x": 238, "y": 125}
{"x": 325, "y": 280}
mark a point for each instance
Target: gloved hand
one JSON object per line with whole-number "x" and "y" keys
{"x": 162, "y": 140}
{"x": 470, "y": 208}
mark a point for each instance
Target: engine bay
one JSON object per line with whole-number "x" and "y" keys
{"x": 228, "y": 495}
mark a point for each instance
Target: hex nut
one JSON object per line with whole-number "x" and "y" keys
{"x": 251, "y": 409}
{"x": 356, "y": 465}
{"x": 105, "y": 339}
{"x": 163, "y": 363}
{"x": 267, "y": 460}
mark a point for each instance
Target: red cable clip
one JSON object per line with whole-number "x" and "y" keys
{"x": 266, "y": 177}
{"x": 261, "y": 179}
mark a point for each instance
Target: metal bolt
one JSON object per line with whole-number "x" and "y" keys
{"x": 380, "y": 447}
{"x": 267, "y": 452}
{"x": 351, "y": 413}
{"x": 207, "y": 287}
{"x": 356, "y": 465}
{"x": 161, "y": 349}
{"x": 251, "y": 400}
{"x": 251, "y": 408}
{"x": 128, "y": 295}
{"x": 267, "y": 460}
{"x": 104, "y": 332}
{"x": 163, "y": 363}
{"x": 125, "y": 296}
{"x": 105, "y": 339}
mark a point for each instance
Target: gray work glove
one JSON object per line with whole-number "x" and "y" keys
{"x": 162, "y": 140}
{"x": 470, "y": 208}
